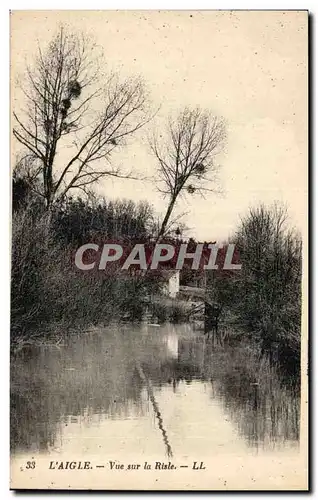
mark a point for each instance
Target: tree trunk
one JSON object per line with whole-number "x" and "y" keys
{"x": 167, "y": 217}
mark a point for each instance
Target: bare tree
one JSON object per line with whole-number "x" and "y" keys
{"x": 74, "y": 116}
{"x": 185, "y": 155}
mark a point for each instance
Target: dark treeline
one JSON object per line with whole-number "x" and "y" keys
{"x": 77, "y": 222}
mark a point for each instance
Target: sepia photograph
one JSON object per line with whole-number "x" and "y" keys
{"x": 159, "y": 243}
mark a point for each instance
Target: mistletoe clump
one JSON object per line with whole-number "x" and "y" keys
{"x": 73, "y": 92}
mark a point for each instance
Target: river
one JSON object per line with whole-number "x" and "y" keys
{"x": 149, "y": 391}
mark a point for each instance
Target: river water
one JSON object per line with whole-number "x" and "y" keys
{"x": 146, "y": 390}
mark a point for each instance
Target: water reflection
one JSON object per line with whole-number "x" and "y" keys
{"x": 160, "y": 387}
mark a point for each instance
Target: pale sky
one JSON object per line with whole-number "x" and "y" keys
{"x": 249, "y": 67}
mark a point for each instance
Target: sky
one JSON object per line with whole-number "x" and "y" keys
{"x": 248, "y": 66}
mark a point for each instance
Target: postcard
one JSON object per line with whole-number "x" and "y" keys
{"x": 159, "y": 279}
